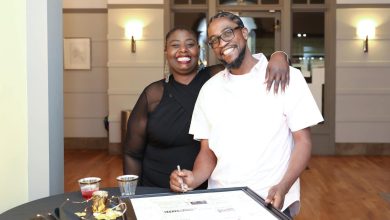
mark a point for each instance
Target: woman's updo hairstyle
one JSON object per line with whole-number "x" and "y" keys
{"x": 179, "y": 28}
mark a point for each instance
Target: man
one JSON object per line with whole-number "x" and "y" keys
{"x": 249, "y": 137}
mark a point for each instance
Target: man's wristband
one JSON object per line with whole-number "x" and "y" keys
{"x": 282, "y": 52}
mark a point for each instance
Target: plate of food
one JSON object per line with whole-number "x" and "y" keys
{"x": 100, "y": 206}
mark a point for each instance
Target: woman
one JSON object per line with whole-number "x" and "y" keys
{"x": 157, "y": 137}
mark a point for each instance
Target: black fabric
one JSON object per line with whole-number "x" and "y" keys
{"x": 157, "y": 136}
{"x": 287, "y": 212}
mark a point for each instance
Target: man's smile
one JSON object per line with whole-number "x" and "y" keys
{"x": 227, "y": 51}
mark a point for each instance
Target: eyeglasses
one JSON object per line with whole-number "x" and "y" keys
{"x": 227, "y": 35}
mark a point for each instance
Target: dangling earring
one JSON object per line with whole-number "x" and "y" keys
{"x": 166, "y": 71}
{"x": 200, "y": 65}
{"x": 202, "y": 56}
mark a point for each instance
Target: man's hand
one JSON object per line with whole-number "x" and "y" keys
{"x": 276, "y": 196}
{"x": 181, "y": 180}
{"x": 278, "y": 72}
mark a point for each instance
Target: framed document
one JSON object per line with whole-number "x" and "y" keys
{"x": 77, "y": 53}
{"x": 227, "y": 203}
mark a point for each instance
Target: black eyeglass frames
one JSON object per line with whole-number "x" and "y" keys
{"x": 227, "y": 35}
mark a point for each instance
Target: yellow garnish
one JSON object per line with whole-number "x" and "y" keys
{"x": 108, "y": 215}
{"x": 80, "y": 214}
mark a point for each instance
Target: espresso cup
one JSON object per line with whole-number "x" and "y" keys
{"x": 127, "y": 184}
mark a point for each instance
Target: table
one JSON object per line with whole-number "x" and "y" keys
{"x": 42, "y": 206}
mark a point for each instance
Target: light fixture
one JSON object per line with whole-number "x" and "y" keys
{"x": 366, "y": 30}
{"x": 133, "y": 32}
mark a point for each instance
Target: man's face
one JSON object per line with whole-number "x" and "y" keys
{"x": 230, "y": 53}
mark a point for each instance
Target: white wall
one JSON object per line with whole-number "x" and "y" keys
{"x": 13, "y": 101}
{"x": 37, "y": 84}
{"x": 31, "y": 141}
{"x": 129, "y": 73}
{"x": 362, "y": 79}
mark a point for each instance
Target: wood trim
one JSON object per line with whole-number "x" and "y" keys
{"x": 86, "y": 92}
{"x": 84, "y": 10}
{"x": 85, "y": 117}
{"x": 286, "y": 27}
{"x": 92, "y": 67}
{"x": 124, "y": 92}
{"x": 135, "y": 6}
{"x": 189, "y": 7}
{"x": 134, "y": 65}
{"x": 212, "y": 10}
{"x": 85, "y": 143}
{"x": 363, "y": 6}
{"x": 330, "y": 76}
{"x": 366, "y": 64}
{"x": 363, "y": 149}
{"x": 144, "y": 38}
{"x": 359, "y": 92}
{"x": 167, "y": 17}
{"x": 249, "y": 7}
{"x": 365, "y": 120}
{"x": 308, "y": 8}
{"x": 378, "y": 37}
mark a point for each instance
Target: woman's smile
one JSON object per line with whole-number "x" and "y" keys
{"x": 184, "y": 59}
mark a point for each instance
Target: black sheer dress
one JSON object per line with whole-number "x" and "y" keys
{"x": 157, "y": 137}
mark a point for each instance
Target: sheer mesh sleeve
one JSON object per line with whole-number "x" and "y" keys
{"x": 136, "y": 136}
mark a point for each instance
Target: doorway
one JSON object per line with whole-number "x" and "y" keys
{"x": 264, "y": 31}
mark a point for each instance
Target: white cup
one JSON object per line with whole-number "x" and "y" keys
{"x": 127, "y": 184}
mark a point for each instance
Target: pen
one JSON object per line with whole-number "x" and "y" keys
{"x": 181, "y": 183}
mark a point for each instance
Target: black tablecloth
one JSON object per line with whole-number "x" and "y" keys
{"x": 43, "y": 206}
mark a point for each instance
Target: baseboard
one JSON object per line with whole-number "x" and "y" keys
{"x": 341, "y": 148}
{"x": 115, "y": 148}
{"x": 86, "y": 143}
{"x": 369, "y": 149}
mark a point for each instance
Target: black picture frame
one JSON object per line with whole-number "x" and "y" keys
{"x": 131, "y": 213}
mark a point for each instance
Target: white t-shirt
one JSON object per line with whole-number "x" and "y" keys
{"x": 250, "y": 130}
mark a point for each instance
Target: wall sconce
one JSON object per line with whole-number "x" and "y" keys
{"x": 366, "y": 30}
{"x": 133, "y": 32}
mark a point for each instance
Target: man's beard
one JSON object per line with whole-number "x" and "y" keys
{"x": 235, "y": 64}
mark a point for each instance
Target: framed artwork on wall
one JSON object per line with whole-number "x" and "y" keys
{"x": 77, "y": 53}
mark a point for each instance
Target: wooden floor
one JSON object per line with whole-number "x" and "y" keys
{"x": 352, "y": 187}
{"x": 83, "y": 163}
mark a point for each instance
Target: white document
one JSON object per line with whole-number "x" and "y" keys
{"x": 226, "y": 205}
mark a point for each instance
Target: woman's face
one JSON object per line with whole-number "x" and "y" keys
{"x": 182, "y": 52}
